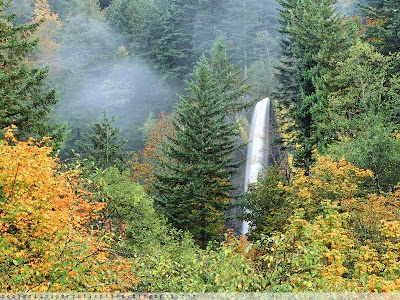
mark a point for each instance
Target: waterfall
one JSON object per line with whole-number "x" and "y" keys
{"x": 258, "y": 147}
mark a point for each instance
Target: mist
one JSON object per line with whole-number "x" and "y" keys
{"x": 125, "y": 60}
{"x": 94, "y": 73}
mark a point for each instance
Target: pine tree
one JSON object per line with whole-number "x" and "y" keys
{"x": 208, "y": 24}
{"x": 309, "y": 53}
{"x": 104, "y": 146}
{"x": 194, "y": 186}
{"x": 383, "y": 26}
{"x": 288, "y": 91}
{"x": 24, "y": 99}
{"x": 160, "y": 31}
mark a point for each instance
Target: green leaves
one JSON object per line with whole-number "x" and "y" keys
{"x": 105, "y": 147}
{"x": 360, "y": 115}
{"x": 309, "y": 53}
{"x": 25, "y": 100}
{"x": 193, "y": 183}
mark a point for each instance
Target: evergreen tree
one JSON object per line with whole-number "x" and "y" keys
{"x": 312, "y": 51}
{"x": 194, "y": 186}
{"x": 24, "y": 99}
{"x": 208, "y": 24}
{"x": 287, "y": 91}
{"x": 160, "y": 31}
{"x": 104, "y": 146}
{"x": 383, "y": 24}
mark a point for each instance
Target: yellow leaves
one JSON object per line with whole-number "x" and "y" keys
{"x": 323, "y": 242}
{"x": 340, "y": 270}
{"x": 42, "y": 11}
{"x": 390, "y": 228}
{"x": 148, "y": 160}
{"x": 44, "y": 218}
{"x": 9, "y": 133}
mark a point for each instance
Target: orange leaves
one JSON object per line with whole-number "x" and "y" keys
{"x": 45, "y": 237}
{"x": 145, "y": 162}
{"x": 9, "y": 133}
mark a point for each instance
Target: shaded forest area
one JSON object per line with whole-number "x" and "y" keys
{"x": 124, "y": 127}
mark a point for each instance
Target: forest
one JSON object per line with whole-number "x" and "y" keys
{"x": 124, "y": 128}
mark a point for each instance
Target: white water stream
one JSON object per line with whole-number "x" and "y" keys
{"x": 258, "y": 147}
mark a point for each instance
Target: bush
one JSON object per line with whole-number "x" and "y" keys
{"x": 46, "y": 242}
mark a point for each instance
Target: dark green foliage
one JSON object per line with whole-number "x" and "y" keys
{"x": 104, "y": 145}
{"x": 287, "y": 90}
{"x": 194, "y": 188}
{"x": 308, "y": 56}
{"x": 383, "y": 30}
{"x": 265, "y": 204}
{"x": 24, "y": 98}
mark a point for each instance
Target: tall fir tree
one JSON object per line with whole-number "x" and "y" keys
{"x": 25, "y": 101}
{"x": 287, "y": 91}
{"x": 308, "y": 56}
{"x": 194, "y": 184}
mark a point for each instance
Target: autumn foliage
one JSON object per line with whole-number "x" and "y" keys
{"x": 338, "y": 237}
{"x": 145, "y": 162}
{"x": 47, "y": 34}
{"x": 46, "y": 239}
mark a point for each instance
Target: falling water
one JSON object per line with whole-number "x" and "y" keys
{"x": 258, "y": 147}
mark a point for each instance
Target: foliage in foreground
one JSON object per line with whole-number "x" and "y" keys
{"x": 46, "y": 243}
{"x": 332, "y": 236}
{"x": 164, "y": 259}
{"x": 337, "y": 237}
{"x": 57, "y": 236}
